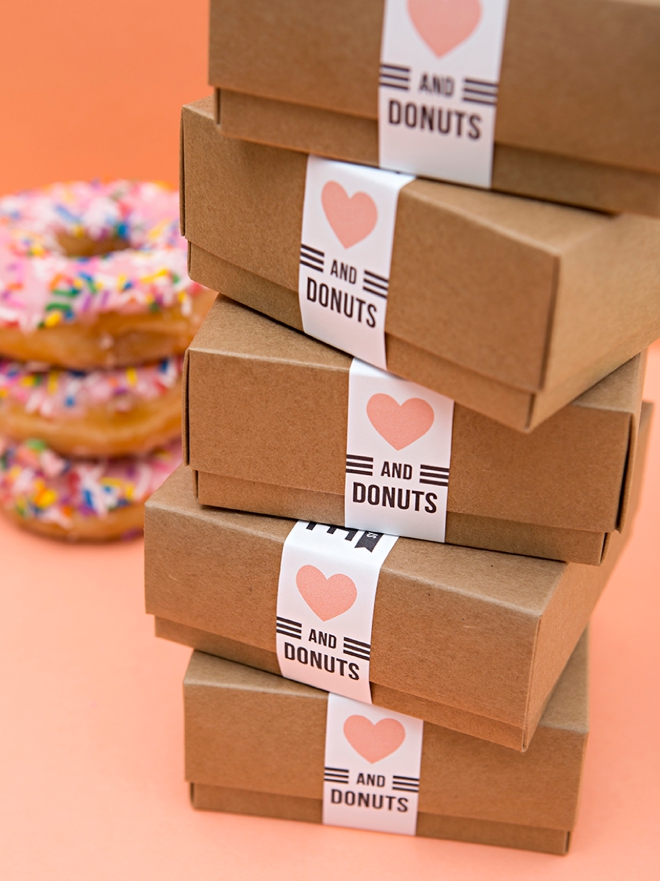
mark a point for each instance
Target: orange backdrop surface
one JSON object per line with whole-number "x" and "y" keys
{"x": 91, "y": 741}
{"x": 94, "y": 89}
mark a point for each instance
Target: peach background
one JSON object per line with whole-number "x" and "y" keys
{"x": 91, "y": 724}
{"x": 94, "y": 89}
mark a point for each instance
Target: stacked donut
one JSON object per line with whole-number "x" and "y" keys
{"x": 96, "y": 309}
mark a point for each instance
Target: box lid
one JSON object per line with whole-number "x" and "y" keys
{"x": 268, "y": 405}
{"x": 250, "y": 730}
{"x": 558, "y": 298}
{"x": 579, "y": 77}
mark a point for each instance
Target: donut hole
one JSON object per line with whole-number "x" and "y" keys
{"x": 85, "y": 246}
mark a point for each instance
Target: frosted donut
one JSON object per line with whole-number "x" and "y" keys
{"x": 94, "y": 275}
{"x": 80, "y": 500}
{"x": 101, "y": 413}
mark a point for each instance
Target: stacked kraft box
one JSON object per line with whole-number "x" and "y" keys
{"x": 413, "y": 420}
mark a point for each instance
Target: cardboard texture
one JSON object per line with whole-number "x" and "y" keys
{"x": 255, "y": 745}
{"x": 579, "y": 92}
{"x": 470, "y": 640}
{"x": 511, "y": 307}
{"x": 266, "y": 423}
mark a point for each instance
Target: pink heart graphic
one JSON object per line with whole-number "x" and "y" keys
{"x": 352, "y": 219}
{"x": 326, "y": 597}
{"x": 374, "y": 742}
{"x": 443, "y": 24}
{"x": 400, "y": 424}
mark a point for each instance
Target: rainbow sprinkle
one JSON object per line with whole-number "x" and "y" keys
{"x": 40, "y": 286}
{"x": 53, "y": 393}
{"x": 37, "y": 483}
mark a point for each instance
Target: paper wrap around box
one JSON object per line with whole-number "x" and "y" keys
{"x": 511, "y": 307}
{"x": 255, "y": 745}
{"x": 467, "y": 639}
{"x": 266, "y": 427}
{"x": 578, "y": 99}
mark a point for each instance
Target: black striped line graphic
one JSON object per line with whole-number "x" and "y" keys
{"x": 287, "y": 627}
{"x": 375, "y": 284}
{"x": 360, "y": 465}
{"x": 405, "y": 784}
{"x": 357, "y": 649}
{"x": 480, "y": 92}
{"x": 434, "y": 475}
{"x": 394, "y": 76}
{"x": 312, "y": 258}
{"x": 335, "y": 775}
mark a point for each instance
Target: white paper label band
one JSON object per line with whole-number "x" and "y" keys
{"x": 349, "y": 213}
{"x": 325, "y": 605}
{"x": 439, "y": 75}
{"x": 372, "y": 767}
{"x": 398, "y": 454}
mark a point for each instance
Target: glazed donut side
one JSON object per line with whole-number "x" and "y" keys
{"x": 102, "y": 413}
{"x": 111, "y": 339}
{"x": 147, "y": 425}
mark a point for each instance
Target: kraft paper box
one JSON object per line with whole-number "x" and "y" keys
{"x": 255, "y": 745}
{"x": 579, "y": 91}
{"x": 470, "y": 640}
{"x": 266, "y": 432}
{"x": 511, "y": 307}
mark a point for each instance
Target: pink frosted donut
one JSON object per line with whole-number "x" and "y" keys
{"x": 80, "y": 500}
{"x": 120, "y": 411}
{"x": 95, "y": 275}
